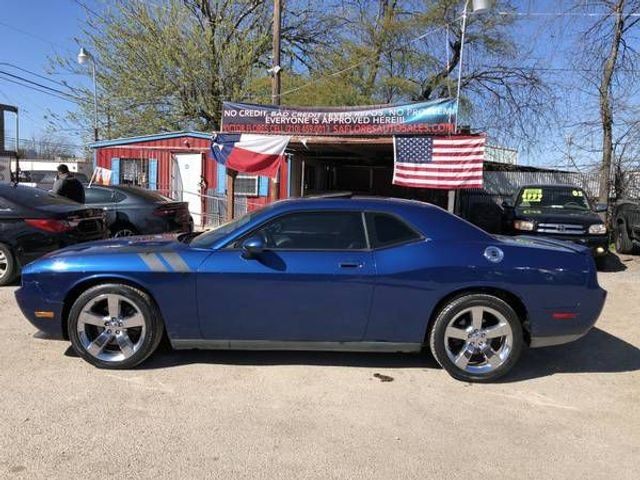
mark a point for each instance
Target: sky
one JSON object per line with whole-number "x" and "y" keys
{"x": 31, "y": 31}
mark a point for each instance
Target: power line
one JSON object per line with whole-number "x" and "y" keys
{"x": 39, "y": 90}
{"x": 40, "y": 87}
{"x": 22, "y": 69}
{"x": 29, "y": 34}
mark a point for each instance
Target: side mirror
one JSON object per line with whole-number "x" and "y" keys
{"x": 253, "y": 246}
{"x": 600, "y": 207}
{"x": 507, "y": 204}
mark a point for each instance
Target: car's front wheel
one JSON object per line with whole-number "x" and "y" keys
{"x": 477, "y": 338}
{"x": 115, "y": 326}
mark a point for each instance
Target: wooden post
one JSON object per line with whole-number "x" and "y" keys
{"x": 231, "y": 193}
{"x": 274, "y": 187}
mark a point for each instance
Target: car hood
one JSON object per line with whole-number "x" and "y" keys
{"x": 554, "y": 215}
{"x": 136, "y": 244}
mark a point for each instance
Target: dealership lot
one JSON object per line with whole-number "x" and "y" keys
{"x": 565, "y": 412}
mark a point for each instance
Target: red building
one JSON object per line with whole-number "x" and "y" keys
{"x": 178, "y": 165}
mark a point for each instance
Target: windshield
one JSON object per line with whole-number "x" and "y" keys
{"x": 207, "y": 239}
{"x": 562, "y": 198}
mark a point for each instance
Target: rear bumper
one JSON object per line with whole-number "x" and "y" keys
{"x": 43, "y": 314}
{"x": 546, "y": 331}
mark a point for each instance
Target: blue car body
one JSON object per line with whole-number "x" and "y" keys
{"x": 210, "y": 295}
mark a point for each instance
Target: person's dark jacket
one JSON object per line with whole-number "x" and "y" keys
{"x": 70, "y": 187}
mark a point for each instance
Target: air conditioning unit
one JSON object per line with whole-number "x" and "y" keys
{"x": 246, "y": 186}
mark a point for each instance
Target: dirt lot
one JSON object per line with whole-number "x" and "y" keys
{"x": 566, "y": 412}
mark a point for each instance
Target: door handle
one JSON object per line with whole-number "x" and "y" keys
{"x": 350, "y": 265}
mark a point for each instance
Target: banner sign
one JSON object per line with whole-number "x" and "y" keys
{"x": 435, "y": 117}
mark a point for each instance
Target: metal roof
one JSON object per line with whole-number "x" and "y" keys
{"x": 149, "y": 138}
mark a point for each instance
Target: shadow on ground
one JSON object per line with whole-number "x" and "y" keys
{"x": 598, "y": 352}
{"x": 610, "y": 263}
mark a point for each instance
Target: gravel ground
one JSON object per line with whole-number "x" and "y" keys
{"x": 566, "y": 412}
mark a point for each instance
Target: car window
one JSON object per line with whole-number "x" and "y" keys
{"x": 314, "y": 231}
{"x": 98, "y": 195}
{"x": 386, "y": 230}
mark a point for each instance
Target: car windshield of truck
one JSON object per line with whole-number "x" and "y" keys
{"x": 561, "y": 198}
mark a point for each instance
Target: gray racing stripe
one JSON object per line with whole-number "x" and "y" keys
{"x": 153, "y": 262}
{"x": 176, "y": 262}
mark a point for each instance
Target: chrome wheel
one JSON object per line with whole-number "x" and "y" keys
{"x": 111, "y": 327}
{"x": 4, "y": 264}
{"x": 478, "y": 339}
{"x": 124, "y": 232}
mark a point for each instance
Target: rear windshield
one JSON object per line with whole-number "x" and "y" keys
{"x": 561, "y": 198}
{"x": 33, "y": 197}
{"x": 147, "y": 195}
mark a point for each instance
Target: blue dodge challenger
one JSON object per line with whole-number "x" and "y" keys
{"x": 350, "y": 274}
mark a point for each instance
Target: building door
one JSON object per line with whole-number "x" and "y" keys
{"x": 185, "y": 178}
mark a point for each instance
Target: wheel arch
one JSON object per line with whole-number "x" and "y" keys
{"x": 513, "y": 300}
{"x": 86, "y": 283}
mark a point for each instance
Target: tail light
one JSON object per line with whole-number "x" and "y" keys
{"x": 163, "y": 211}
{"x": 49, "y": 225}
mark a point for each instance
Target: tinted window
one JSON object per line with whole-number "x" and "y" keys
{"x": 386, "y": 230}
{"x": 98, "y": 195}
{"x": 33, "y": 197}
{"x": 315, "y": 231}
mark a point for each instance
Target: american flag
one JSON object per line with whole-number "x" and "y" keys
{"x": 439, "y": 162}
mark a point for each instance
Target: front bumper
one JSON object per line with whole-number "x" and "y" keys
{"x": 35, "y": 306}
{"x": 598, "y": 244}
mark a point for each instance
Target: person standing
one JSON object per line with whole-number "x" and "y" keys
{"x": 68, "y": 186}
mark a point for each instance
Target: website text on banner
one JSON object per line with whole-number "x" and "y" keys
{"x": 435, "y": 117}
{"x": 247, "y": 153}
{"x": 445, "y": 163}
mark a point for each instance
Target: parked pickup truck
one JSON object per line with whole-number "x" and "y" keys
{"x": 626, "y": 224}
{"x": 558, "y": 211}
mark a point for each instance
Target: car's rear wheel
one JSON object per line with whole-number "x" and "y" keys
{"x": 623, "y": 243}
{"x": 120, "y": 231}
{"x": 477, "y": 338}
{"x": 115, "y": 326}
{"x": 8, "y": 265}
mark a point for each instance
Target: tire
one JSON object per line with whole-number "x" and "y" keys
{"x": 9, "y": 268}
{"x": 466, "y": 338}
{"x": 623, "y": 243}
{"x": 98, "y": 328}
{"x": 121, "y": 230}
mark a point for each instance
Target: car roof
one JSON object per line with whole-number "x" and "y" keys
{"x": 346, "y": 202}
{"x": 552, "y": 185}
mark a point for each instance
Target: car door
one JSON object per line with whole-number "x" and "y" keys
{"x": 313, "y": 282}
{"x": 97, "y": 197}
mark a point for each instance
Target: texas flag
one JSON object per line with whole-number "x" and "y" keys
{"x": 248, "y": 153}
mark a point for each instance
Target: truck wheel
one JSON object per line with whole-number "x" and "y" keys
{"x": 623, "y": 243}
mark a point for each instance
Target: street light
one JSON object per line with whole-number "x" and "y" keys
{"x": 478, "y": 6}
{"x": 83, "y": 57}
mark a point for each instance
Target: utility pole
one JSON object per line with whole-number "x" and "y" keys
{"x": 274, "y": 183}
